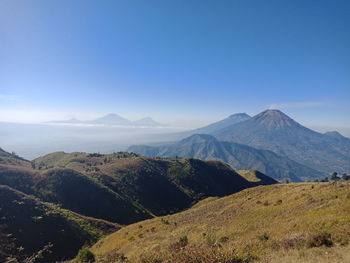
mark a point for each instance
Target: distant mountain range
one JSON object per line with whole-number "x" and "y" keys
{"x": 275, "y": 131}
{"x": 209, "y": 129}
{"x": 114, "y": 119}
{"x": 239, "y": 156}
{"x": 247, "y": 142}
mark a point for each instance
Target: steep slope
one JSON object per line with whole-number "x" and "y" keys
{"x": 207, "y": 147}
{"x": 74, "y": 191}
{"x": 242, "y": 227}
{"x": 27, "y": 225}
{"x": 12, "y": 159}
{"x": 275, "y": 131}
{"x": 256, "y": 177}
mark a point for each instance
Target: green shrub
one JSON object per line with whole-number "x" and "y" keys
{"x": 183, "y": 241}
{"x": 263, "y": 237}
{"x": 165, "y": 221}
{"x": 211, "y": 241}
{"x": 85, "y": 255}
{"x": 278, "y": 202}
{"x": 224, "y": 239}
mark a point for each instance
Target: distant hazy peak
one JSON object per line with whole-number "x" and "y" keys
{"x": 148, "y": 121}
{"x": 111, "y": 116}
{"x": 110, "y": 119}
{"x": 273, "y": 113}
{"x": 115, "y": 119}
{"x": 241, "y": 115}
{"x": 274, "y": 119}
{"x": 334, "y": 134}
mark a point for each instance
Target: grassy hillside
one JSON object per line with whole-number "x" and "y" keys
{"x": 255, "y": 177}
{"x": 156, "y": 185}
{"x": 123, "y": 187}
{"x": 252, "y": 225}
{"x": 27, "y": 225}
{"x": 12, "y": 159}
{"x": 75, "y": 191}
{"x": 170, "y": 185}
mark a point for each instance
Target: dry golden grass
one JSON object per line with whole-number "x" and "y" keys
{"x": 249, "y": 225}
{"x": 311, "y": 255}
{"x": 250, "y": 175}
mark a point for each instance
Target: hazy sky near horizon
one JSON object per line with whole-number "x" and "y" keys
{"x": 182, "y": 62}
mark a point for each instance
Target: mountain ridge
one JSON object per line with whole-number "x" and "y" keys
{"x": 208, "y": 129}
{"x": 207, "y": 147}
{"x": 113, "y": 119}
{"x": 273, "y": 130}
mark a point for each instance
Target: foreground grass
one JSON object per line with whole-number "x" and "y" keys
{"x": 337, "y": 254}
{"x": 293, "y": 221}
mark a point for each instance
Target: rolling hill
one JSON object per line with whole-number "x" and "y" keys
{"x": 158, "y": 186}
{"x": 207, "y": 147}
{"x": 27, "y": 225}
{"x": 74, "y": 191}
{"x": 122, "y": 187}
{"x": 254, "y": 225}
{"x": 273, "y": 130}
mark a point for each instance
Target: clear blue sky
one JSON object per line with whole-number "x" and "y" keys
{"x": 178, "y": 60}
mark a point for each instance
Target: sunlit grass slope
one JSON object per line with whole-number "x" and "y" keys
{"x": 244, "y": 227}
{"x": 255, "y": 176}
